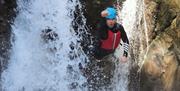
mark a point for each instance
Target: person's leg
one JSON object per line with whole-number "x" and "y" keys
{"x": 98, "y": 74}
{"x": 104, "y": 70}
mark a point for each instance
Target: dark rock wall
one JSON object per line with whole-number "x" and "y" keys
{"x": 7, "y": 12}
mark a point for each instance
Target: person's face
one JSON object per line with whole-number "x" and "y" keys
{"x": 110, "y": 22}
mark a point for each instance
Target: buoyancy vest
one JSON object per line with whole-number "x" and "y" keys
{"x": 112, "y": 42}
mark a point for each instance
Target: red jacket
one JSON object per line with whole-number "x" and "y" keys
{"x": 110, "y": 37}
{"x": 112, "y": 42}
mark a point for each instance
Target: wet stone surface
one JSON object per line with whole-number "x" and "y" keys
{"x": 7, "y": 14}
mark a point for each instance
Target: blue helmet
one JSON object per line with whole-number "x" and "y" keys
{"x": 111, "y": 13}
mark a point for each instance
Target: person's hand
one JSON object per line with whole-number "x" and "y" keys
{"x": 104, "y": 13}
{"x": 123, "y": 59}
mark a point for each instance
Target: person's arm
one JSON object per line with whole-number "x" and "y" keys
{"x": 125, "y": 40}
{"x": 104, "y": 13}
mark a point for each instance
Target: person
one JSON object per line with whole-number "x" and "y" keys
{"x": 99, "y": 74}
{"x": 109, "y": 35}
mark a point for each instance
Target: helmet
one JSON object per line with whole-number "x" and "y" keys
{"x": 111, "y": 13}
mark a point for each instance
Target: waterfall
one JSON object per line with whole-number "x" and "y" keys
{"x": 37, "y": 64}
{"x": 46, "y": 49}
{"x": 127, "y": 16}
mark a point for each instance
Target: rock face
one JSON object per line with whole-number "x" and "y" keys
{"x": 161, "y": 68}
{"x": 6, "y": 17}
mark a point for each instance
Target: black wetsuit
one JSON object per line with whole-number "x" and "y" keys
{"x": 102, "y": 34}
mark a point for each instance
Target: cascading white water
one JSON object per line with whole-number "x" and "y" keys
{"x": 32, "y": 66}
{"x": 128, "y": 18}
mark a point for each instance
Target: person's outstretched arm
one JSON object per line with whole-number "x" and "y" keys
{"x": 126, "y": 42}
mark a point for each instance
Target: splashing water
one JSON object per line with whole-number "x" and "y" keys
{"x": 128, "y": 19}
{"x": 36, "y": 65}
{"x": 33, "y": 66}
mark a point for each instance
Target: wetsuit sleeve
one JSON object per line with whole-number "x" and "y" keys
{"x": 124, "y": 39}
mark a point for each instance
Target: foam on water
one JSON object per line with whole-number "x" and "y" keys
{"x": 32, "y": 66}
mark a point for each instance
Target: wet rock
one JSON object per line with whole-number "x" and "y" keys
{"x": 73, "y": 85}
{"x": 49, "y": 38}
{"x": 161, "y": 65}
{"x": 160, "y": 71}
{"x": 49, "y": 35}
{"x": 7, "y": 15}
{"x": 165, "y": 15}
{"x": 150, "y": 16}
